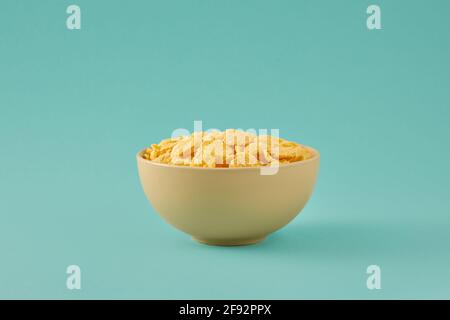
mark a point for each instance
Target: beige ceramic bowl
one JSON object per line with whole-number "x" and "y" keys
{"x": 228, "y": 206}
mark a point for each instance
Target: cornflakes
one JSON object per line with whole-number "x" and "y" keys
{"x": 226, "y": 149}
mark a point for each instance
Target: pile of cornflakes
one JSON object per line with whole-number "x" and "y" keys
{"x": 226, "y": 149}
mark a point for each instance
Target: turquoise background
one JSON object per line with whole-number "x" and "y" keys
{"x": 77, "y": 105}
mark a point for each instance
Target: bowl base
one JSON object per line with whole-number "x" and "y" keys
{"x": 236, "y": 242}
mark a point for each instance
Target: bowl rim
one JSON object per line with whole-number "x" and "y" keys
{"x": 284, "y": 165}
